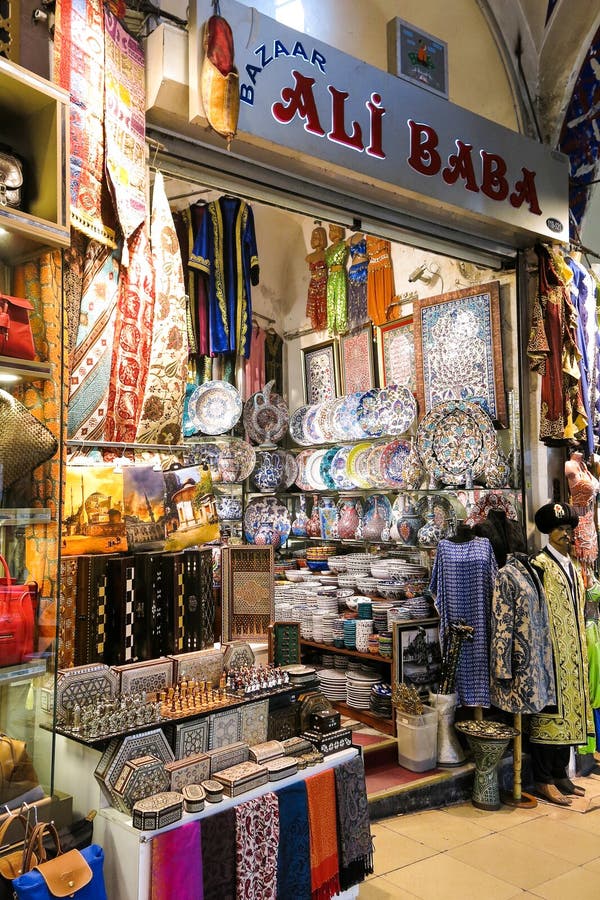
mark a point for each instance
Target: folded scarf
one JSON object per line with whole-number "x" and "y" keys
{"x": 177, "y": 864}
{"x": 322, "y": 814}
{"x": 257, "y": 837}
{"x": 293, "y": 860}
{"x": 354, "y": 831}
{"x": 218, "y": 856}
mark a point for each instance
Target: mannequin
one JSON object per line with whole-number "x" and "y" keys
{"x": 380, "y": 279}
{"x": 463, "y": 534}
{"x": 357, "y": 280}
{"x": 316, "y": 304}
{"x": 337, "y": 285}
{"x": 505, "y": 535}
{"x": 569, "y": 721}
{"x": 583, "y": 488}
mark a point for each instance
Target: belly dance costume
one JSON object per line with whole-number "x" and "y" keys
{"x": 316, "y": 304}
{"x": 583, "y": 494}
{"x": 380, "y": 282}
{"x": 357, "y": 284}
{"x": 337, "y": 288}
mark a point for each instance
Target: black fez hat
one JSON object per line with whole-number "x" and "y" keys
{"x": 553, "y": 515}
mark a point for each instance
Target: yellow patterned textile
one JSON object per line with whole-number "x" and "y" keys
{"x": 571, "y": 720}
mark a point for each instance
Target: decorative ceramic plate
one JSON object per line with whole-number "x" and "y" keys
{"x": 296, "y": 425}
{"x": 215, "y": 407}
{"x": 344, "y": 418}
{"x": 373, "y": 467}
{"x": 324, "y": 420}
{"x": 266, "y": 416}
{"x": 353, "y": 457}
{"x": 312, "y": 432}
{"x": 398, "y": 408}
{"x": 444, "y": 513}
{"x": 302, "y": 461}
{"x": 392, "y": 460}
{"x": 368, "y": 413}
{"x": 338, "y": 471}
{"x": 266, "y": 521}
{"x": 240, "y": 454}
{"x": 490, "y": 500}
{"x": 275, "y": 470}
{"x": 314, "y": 471}
{"x": 326, "y": 468}
{"x": 454, "y": 441}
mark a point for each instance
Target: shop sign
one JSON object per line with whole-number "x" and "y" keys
{"x": 307, "y": 97}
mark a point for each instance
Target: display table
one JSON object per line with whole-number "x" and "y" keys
{"x": 128, "y": 851}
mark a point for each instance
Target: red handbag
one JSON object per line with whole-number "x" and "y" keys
{"x": 16, "y": 338}
{"x": 17, "y": 618}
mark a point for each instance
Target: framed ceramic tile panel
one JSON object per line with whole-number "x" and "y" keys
{"x": 356, "y": 360}
{"x": 190, "y": 738}
{"x": 458, "y": 349}
{"x": 320, "y": 369}
{"x": 396, "y": 353}
{"x": 247, "y": 605}
{"x": 417, "y": 654}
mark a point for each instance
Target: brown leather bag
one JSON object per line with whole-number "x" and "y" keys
{"x": 12, "y": 856}
{"x": 17, "y": 775}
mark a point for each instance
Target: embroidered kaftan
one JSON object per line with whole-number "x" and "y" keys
{"x": 225, "y": 249}
{"x": 337, "y": 288}
{"x": 463, "y": 579}
{"x": 357, "y": 284}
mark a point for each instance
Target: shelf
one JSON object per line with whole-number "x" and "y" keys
{"x": 23, "y": 671}
{"x": 386, "y": 726}
{"x": 25, "y": 517}
{"x": 31, "y": 106}
{"x": 343, "y": 651}
{"x": 13, "y": 370}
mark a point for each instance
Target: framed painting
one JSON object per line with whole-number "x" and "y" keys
{"x": 396, "y": 350}
{"x": 320, "y": 368}
{"x": 417, "y": 654}
{"x": 356, "y": 360}
{"x": 458, "y": 349}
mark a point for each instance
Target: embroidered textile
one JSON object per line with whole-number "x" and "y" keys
{"x": 125, "y": 126}
{"x": 322, "y": 823}
{"x": 257, "y": 839}
{"x": 219, "y": 856}
{"x": 225, "y": 250}
{"x": 73, "y": 288}
{"x": 177, "y": 864}
{"x": 354, "y": 831}
{"x": 522, "y": 675}
{"x": 316, "y": 304}
{"x": 380, "y": 279}
{"x": 293, "y": 859}
{"x": 337, "y": 288}
{"x": 92, "y": 355}
{"x": 463, "y": 579}
{"x": 162, "y": 411}
{"x": 571, "y": 720}
{"x": 357, "y": 284}
{"x": 578, "y": 291}
{"x": 79, "y": 68}
{"x": 132, "y": 341}
{"x": 254, "y": 366}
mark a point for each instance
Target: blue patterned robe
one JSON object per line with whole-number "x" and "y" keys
{"x": 225, "y": 250}
{"x": 463, "y": 579}
{"x": 521, "y": 670}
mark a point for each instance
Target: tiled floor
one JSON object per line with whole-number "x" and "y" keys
{"x": 460, "y": 853}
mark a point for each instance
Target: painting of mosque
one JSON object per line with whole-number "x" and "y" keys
{"x": 93, "y": 511}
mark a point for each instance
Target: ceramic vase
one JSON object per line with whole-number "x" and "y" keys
{"x": 349, "y": 517}
{"x": 430, "y": 534}
{"x": 299, "y": 523}
{"x": 328, "y": 516}
{"x": 228, "y": 466}
{"x": 268, "y": 473}
{"x": 374, "y": 525}
{"x": 408, "y": 525}
{"x": 313, "y": 526}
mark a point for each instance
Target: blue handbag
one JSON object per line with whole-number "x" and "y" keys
{"x": 77, "y": 873}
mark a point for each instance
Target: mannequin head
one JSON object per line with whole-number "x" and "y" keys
{"x": 336, "y": 233}
{"x": 318, "y": 238}
{"x": 557, "y": 520}
{"x": 561, "y": 538}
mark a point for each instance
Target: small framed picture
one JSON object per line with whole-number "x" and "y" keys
{"x": 356, "y": 360}
{"x": 396, "y": 351}
{"x": 321, "y": 374}
{"x": 417, "y": 654}
{"x": 417, "y": 56}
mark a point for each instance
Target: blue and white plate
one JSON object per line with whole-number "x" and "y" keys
{"x": 344, "y": 418}
{"x": 337, "y": 470}
{"x": 296, "y": 425}
{"x": 312, "y": 432}
{"x": 215, "y": 407}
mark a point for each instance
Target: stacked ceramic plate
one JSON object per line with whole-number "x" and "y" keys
{"x": 332, "y": 683}
{"x": 337, "y": 563}
{"x": 301, "y": 676}
{"x": 385, "y": 644}
{"x": 350, "y": 634}
{"x": 347, "y": 581}
{"x": 397, "y": 614}
{"x": 306, "y": 623}
{"x": 327, "y": 632}
{"x": 338, "y": 634}
{"x": 380, "y": 701}
{"x": 358, "y": 689}
{"x": 317, "y": 627}
{"x": 380, "y": 620}
{"x": 420, "y": 607}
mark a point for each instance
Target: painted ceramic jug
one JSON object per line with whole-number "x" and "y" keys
{"x": 328, "y": 515}
{"x": 408, "y": 525}
{"x": 268, "y": 474}
{"x": 228, "y": 466}
{"x": 374, "y": 525}
{"x": 349, "y": 517}
{"x": 431, "y": 533}
{"x": 313, "y": 526}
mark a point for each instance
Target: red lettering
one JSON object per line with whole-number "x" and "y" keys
{"x": 299, "y": 100}
{"x": 460, "y": 165}
{"x": 376, "y": 114}
{"x": 423, "y": 157}
{"x": 493, "y": 170}
{"x": 338, "y": 130}
{"x": 525, "y": 192}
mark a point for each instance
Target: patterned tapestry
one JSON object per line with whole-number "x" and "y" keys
{"x": 92, "y": 354}
{"x": 132, "y": 341}
{"x": 458, "y": 350}
{"x": 247, "y": 600}
{"x": 79, "y": 68}
{"x": 124, "y": 123}
{"x": 162, "y": 410}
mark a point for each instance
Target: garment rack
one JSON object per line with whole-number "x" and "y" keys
{"x": 268, "y": 319}
{"x": 130, "y": 445}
